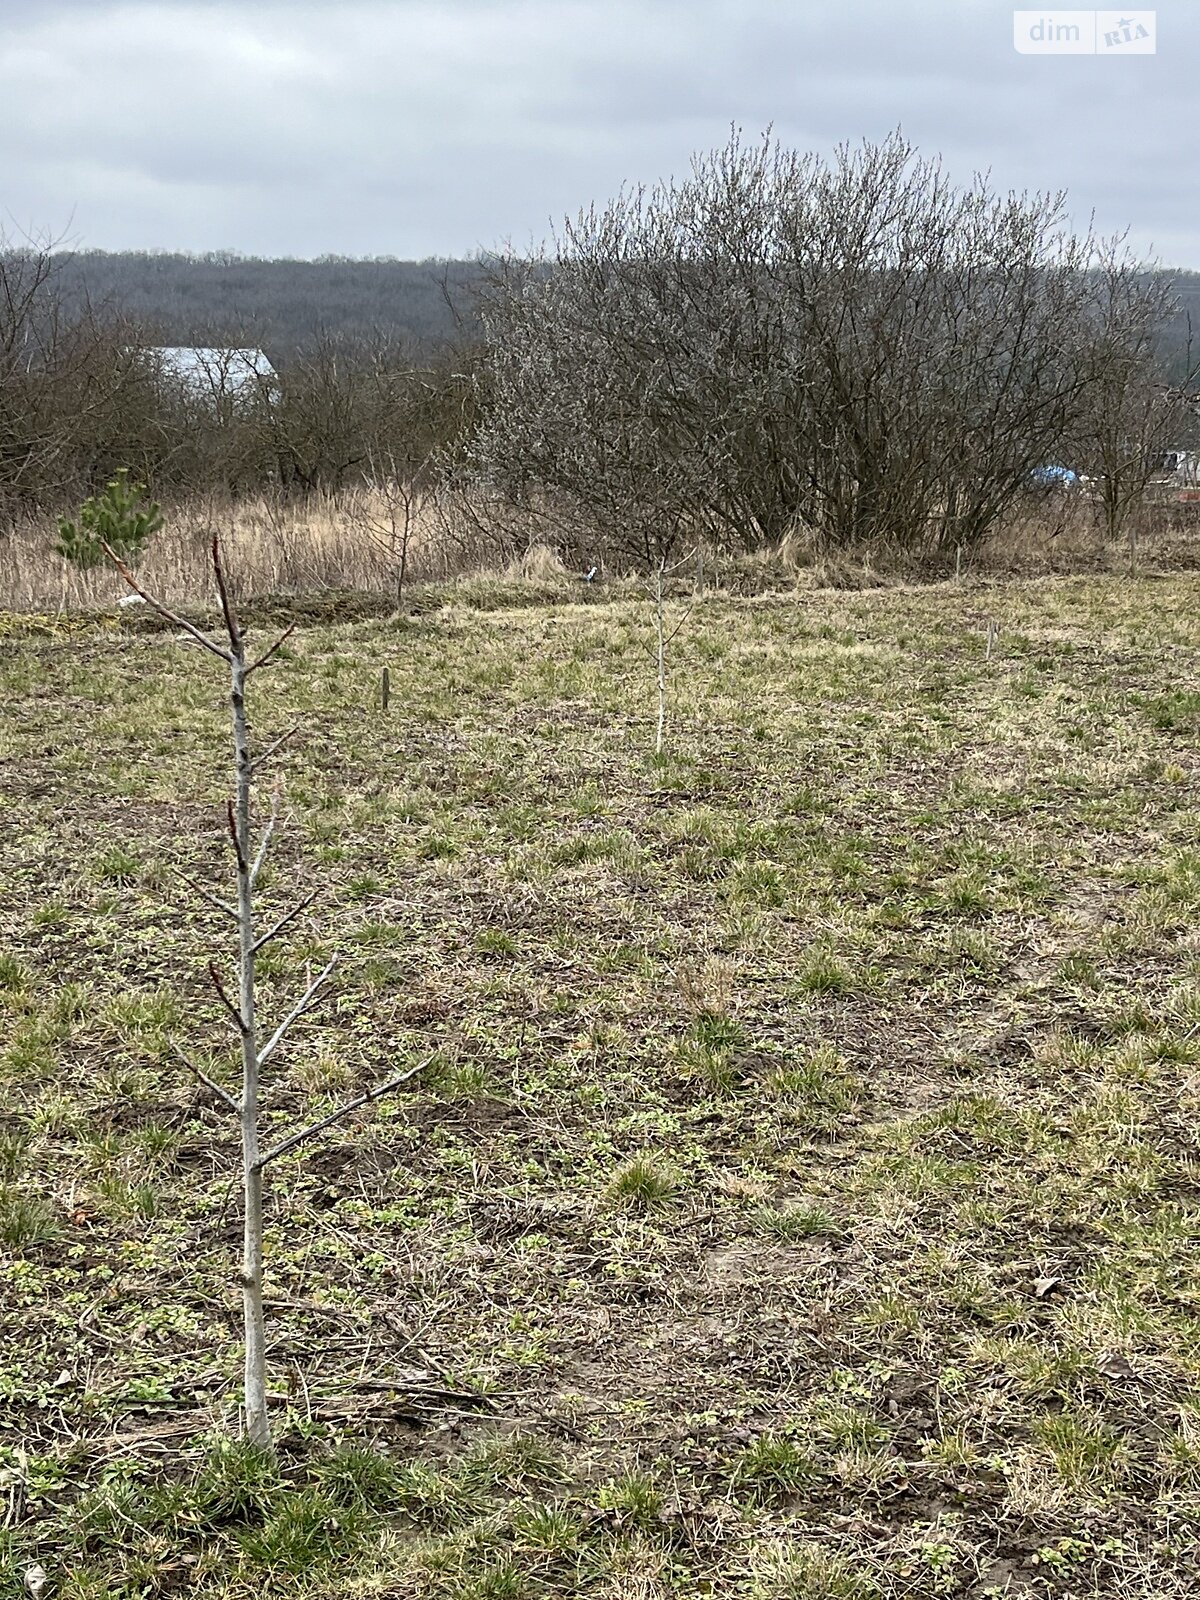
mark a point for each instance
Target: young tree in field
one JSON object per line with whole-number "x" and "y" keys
{"x": 664, "y": 637}
{"x": 118, "y": 522}
{"x": 383, "y": 509}
{"x": 410, "y": 426}
{"x": 250, "y": 843}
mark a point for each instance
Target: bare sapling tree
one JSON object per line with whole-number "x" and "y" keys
{"x": 656, "y": 586}
{"x": 993, "y": 636}
{"x": 250, "y": 845}
{"x": 1136, "y": 417}
{"x": 384, "y": 509}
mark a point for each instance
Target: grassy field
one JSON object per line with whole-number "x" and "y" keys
{"x": 802, "y": 1202}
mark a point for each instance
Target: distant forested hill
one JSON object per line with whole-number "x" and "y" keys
{"x": 282, "y": 306}
{"x": 1185, "y": 324}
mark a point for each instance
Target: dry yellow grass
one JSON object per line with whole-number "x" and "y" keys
{"x": 539, "y": 563}
{"x": 342, "y": 542}
{"x": 325, "y": 542}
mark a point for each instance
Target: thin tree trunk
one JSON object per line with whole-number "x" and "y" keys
{"x": 404, "y": 538}
{"x": 258, "y": 1427}
{"x": 662, "y": 660}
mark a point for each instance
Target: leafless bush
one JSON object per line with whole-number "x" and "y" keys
{"x": 63, "y": 380}
{"x": 1067, "y": 533}
{"x": 1133, "y": 416}
{"x": 383, "y": 510}
{"x": 855, "y": 345}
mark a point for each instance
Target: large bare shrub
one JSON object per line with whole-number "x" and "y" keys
{"x": 854, "y": 345}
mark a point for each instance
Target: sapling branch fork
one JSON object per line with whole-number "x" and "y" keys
{"x": 215, "y": 1088}
{"x": 278, "y": 744}
{"x": 165, "y": 611}
{"x": 288, "y": 916}
{"x": 211, "y": 899}
{"x": 376, "y": 1093}
{"x": 265, "y": 842}
{"x": 238, "y": 1020}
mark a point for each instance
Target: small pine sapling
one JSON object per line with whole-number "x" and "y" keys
{"x": 122, "y": 520}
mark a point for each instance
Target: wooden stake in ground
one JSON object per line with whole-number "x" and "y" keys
{"x": 242, "y": 1013}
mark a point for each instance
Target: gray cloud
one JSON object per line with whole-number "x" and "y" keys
{"x": 417, "y": 127}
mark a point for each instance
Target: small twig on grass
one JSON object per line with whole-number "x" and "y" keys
{"x": 657, "y": 593}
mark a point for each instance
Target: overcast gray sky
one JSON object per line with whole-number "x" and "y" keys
{"x": 436, "y": 127}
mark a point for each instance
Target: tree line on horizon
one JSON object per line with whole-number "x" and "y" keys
{"x": 286, "y": 304}
{"x": 282, "y": 305}
{"x": 853, "y": 346}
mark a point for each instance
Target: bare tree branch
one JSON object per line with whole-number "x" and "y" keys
{"x": 165, "y": 611}
{"x": 305, "y": 1003}
{"x": 231, "y": 621}
{"x": 215, "y": 1088}
{"x": 277, "y": 744}
{"x": 211, "y": 899}
{"x": 238, "y": 1020}
{"x": 288, "y": 916}
{"x": 376, "y": 1093}
{"x": 236, "y": 839}
{"x": 265, "y": 841}
{"x": 267, "y": 654}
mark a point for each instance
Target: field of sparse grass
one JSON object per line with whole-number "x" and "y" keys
{"x": 803, "y": 1201}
